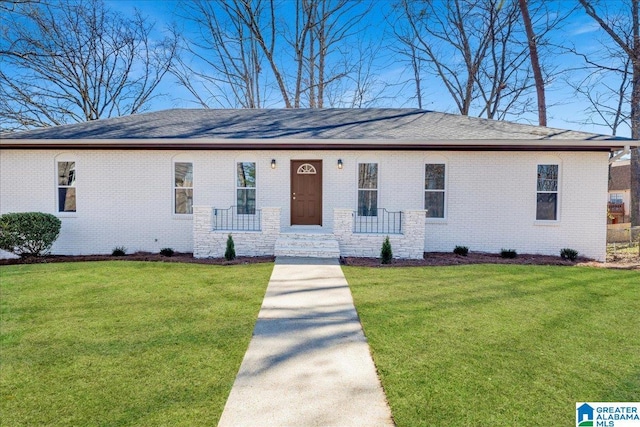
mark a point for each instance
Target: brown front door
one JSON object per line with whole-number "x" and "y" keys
{"x": 306, "y": 192}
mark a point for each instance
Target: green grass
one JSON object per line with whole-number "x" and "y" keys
{"x": 500, "y": 345}
{"x": 123, "y": 343}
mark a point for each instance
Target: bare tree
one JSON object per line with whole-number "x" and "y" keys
{"x": 325, "y": 41}
{"x": 407, "y": 51}
{"x": 478, "y": 50}
{"x": 225, "y": 62}
{"x": 236, "y": 38}
{"x": 461, "y": 43}
{"x": 362, "y": 86}
{"x": 11, "y": 5}
{"x": 624, "y": 30}
{"x": 434, "y": 25}
{"x": 503, "y": 80}
{"x": 416, "y": 65}
{"x": 300, "y": 37}
{"x": 74, "y": 62}
{"x": 535, "y": 62}
{"x": 245, "y": 56}
{"x": 609, "y": 99}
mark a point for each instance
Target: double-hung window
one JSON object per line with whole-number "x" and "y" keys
{"x": 66, "y": 186}
{"x": 367, "y": 189}
{"x": 183, "y": 188}
{"x": 615, "y": 198}
{"x": 547, "y": 193}
{"x": 246, "y": 188}
{"x": 434, "y": 190}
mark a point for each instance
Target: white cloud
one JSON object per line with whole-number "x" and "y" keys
{"x": 589, "y": 27}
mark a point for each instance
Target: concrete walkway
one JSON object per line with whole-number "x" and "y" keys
{"x": 308, "y": 363}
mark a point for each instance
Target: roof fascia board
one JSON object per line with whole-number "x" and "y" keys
{"x": 319, "y": 144}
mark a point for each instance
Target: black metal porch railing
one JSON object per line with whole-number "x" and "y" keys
{"x": 230, "y": 219}
{"x": 384, "y": 222}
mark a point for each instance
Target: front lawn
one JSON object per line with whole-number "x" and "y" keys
{"x": 500, "y": 345}
{"x": 123, "y": 343}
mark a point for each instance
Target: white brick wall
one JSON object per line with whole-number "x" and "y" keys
{"x": 125, "y": 197}
{"x": 492, "y": 204}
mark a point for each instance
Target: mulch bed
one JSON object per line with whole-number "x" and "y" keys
{"x": 430, "y": 259}
{"x": 138, "y": 256}
{"x": 445, "y": 258}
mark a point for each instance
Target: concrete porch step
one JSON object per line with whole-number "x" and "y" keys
{"x": 310, "y": 246}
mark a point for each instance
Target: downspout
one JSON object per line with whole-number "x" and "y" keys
{"x": 625, "y": 151}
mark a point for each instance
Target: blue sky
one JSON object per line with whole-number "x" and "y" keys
{"x": 565, "y": 109}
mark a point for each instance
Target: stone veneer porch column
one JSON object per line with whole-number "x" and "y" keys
{"x": 210, "y": 243}
{"x": 414, "y": 233}
{"x": 409, "y": 244}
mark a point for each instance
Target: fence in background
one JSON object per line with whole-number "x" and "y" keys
{"x": 623, "y": 242}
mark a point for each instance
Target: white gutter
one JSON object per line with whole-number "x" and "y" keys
{"x": 624, "y": 151}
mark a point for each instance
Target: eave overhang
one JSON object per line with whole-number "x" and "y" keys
{"x": 317, "y": 144}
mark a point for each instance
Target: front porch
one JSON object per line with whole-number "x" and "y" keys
{"x": 262, "y": 234}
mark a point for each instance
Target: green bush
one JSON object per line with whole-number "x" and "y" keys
{"x": 461, "y": 250}
{"x": 386, "y": 254}
{"x": 568, "y": 253}
{"x": 28, "y": 233}
{"x": 230, "y": 252}
{"x": 119, "y": 251}
{"x": 166, "y": 252}
{"x": 508, "y": 253}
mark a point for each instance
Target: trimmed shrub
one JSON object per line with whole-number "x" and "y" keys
{"x": 166, "y": 252}
{"x": 568, "y": 253}
{"x": 461, "y": 250}
{"x": 230, "y": 252}
{"x": 508, "y": 253}
{"x": 119, "y": 251}
{"x": 386, "y": 254}
{"x": 28, "y": 233}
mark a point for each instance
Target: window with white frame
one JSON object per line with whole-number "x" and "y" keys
{"x": 615, "y": 198}
{"x": 434, "y": 189}
{"x": 183, "y": 187}
{"x": 547, "y": 193}
{"x": 246, "y": 188}
{"x": 66, "y": 172}
{"x": 367, "y": 189}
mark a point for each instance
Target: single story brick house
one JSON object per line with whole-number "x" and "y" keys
{"x": 322, "y": 182}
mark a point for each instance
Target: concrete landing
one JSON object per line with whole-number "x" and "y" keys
{"x": 307, "y": 246}
{"x": 308, "y": 363}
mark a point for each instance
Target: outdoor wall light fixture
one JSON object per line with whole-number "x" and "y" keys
{"x": 339, "y": 163}
{"x": 273, "y": 163}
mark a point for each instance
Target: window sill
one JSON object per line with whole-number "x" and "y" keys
{"x": 547, "y": 223}
{"x": 183, "y": 216}
{"x": 66, "y": 214}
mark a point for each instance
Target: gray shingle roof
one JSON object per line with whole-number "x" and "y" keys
{"x": 351, "y": 124}
{"x": 620, "y": 178}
